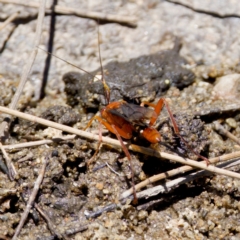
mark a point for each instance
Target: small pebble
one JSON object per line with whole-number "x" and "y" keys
{"x": 227, "y": 87}
{"x": 231, "y": 122}
{"x": 105, "y": 191}
{"x": 99, "y": 186}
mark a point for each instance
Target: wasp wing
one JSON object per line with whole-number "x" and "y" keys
{"x": 133, "y": 113}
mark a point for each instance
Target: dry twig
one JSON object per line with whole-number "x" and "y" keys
{"x": 175, "y": 183}
{"x": 26, "y": 158}
{"x": 218, "y": 127}
{"x": 156, "y": 190}
{"x": 176, "y": 171}
{"x": 26, "y": 71}
{"x": 53, "y": 228}
{"x": 11, "y": 169}
{"x": 31, "y": 198}
{"x": 117, "y": 144}
{"x": 76, "y": 230}
{"x": 112, "y": 169}
{"x": 50, "y": 224}
{"x": 9, "y": 19}
{"x": 37, "y": 143}
{"x": 28, "y": 66}
{"x": 131, "y": 21}
{"x": 166, "y": 187}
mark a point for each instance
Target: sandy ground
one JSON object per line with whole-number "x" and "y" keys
{"x": 207, "y": 208}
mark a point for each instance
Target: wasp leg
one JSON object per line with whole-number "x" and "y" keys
{"x": 135, "y": 200}
{"x": 157, "y": 108}
{"x": 119, "y": 134}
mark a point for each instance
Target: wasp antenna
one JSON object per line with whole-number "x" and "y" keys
{"x": 68, "y": 62}
{"x": 105, "y": 86}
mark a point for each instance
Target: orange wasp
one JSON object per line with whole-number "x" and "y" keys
{"x": 122, "y": 119}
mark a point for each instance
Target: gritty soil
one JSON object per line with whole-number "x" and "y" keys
{"x": 176, "y": 52}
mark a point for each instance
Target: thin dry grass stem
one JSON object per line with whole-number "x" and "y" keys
{"x": 177, "y": 171}
{"x": 31, "y": 198}
{"x": 26, "y": 158}
{"x": 150, "y": 192}
{"x": 131, "y": 21}
{"x": 10, "y": 166}
{"x": 8, "y": 20}
{"x": 168, "y": 186}
{"x": 116, "y": 143}
{"x": 76, "y": 230}
{"x": 237, "y": 147}
{"x": 26, "y": 71}
{"x": 218, "y": 127}
{"x": 11, "y": 169}
{"x": 27, "y": 68}
{"x": 51, "y": 226}
{"x": 112, "y": 169}
{"x": 148, "y": 205}
{"x": 37, "y": 143}
{"x": 184, "y": 161}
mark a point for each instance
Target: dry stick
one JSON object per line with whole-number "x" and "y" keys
{"x": 112, "y": 169}
{"x": 52, "y": 227}
{"x": 31, "y": 198}
{"x": 175, "y": 183}
{"x": 10, "y": 166}
{"x": 76, "y": 230}
{"x": 29, "y": 156}
{"x": 26, "y": 71}
{"x": 184, "y": 161}
{"x": 4, "y": 193}
{"x": 11, "y": 169}
{"x": 50, "y": 224}
{"x": 117, "y": 144}
{"x": 166, "y": 187}
{"x": 149, "y": 204}
{"x": 28, "y": 66}
{"x": 237, "y": 147}
{"x": 176, "y": 171}
{"x": 156, "y": 190}
{"x": 8, "y": 20}
{"x": 132, "y": 21}
{"x": 40, "y": 142}
{"x": 218, "y": 127}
